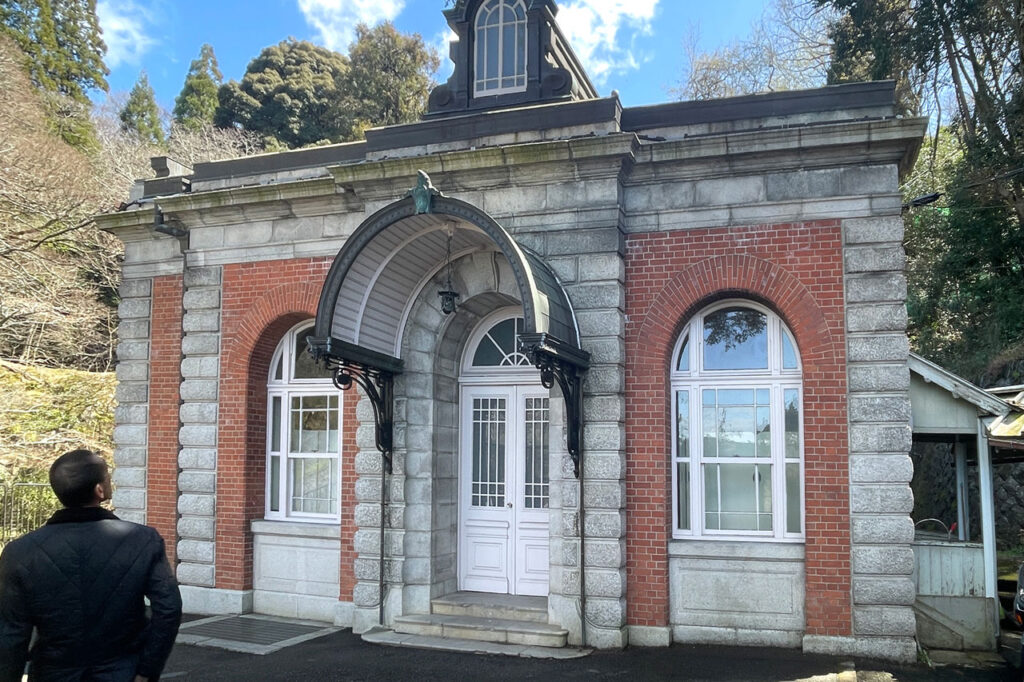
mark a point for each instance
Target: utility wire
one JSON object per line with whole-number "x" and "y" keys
{"x": 926, "y": 199}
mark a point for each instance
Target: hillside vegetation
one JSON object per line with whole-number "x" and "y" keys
{"x": 49, "y": 411}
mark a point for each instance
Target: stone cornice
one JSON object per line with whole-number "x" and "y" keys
{"x": 823, "y": 145}
{"x": 232, "y": 206}
{"x": 598, "y": 156}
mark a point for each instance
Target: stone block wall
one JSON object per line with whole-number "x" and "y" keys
{"x": 131, "y": 433}
{"x": 879, "y": 413}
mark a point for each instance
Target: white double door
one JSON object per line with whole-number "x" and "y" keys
{"x": 503, "y": 500}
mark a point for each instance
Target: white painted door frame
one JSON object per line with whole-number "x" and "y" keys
{"x": 503, "y": 536}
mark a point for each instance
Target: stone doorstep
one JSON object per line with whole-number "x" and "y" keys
{"x": 500, "y": 630}
{"x": 482, "y": 605}
{"x": 387, "y": 637}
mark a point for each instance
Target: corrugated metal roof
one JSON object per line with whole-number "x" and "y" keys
{"x": 390, "y": 258}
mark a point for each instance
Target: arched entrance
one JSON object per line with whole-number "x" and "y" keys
{"x": 381, "y": 325}
{"x": 504, "y": 451}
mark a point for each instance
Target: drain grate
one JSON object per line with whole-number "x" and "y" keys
{"x": 252, "y": 634}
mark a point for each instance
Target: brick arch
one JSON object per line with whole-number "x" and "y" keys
{"x": 811, "y": 305}
{"x": 260, "y": 302}
{"x": 739, "y": 276}
{"x": 249, "y": 338}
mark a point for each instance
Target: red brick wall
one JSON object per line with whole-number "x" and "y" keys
{"x": 164, "y": 401}
{"x": 260, "y": 302}
{"x": 797, "y": 270}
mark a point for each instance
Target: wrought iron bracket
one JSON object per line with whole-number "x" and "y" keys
{"x": 566, "y": 366}
{"x": 379, "y": 387}
{"x": 352, "y": 365}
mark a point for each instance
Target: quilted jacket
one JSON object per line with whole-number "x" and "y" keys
{"x": 80, "y": 581}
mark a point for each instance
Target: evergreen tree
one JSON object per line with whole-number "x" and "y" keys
{"x": 197, "y": 103}
{"x": 289, "y": 94}
{"x": 140, "y": 115}
{"x": 62, "y": 41}
{"x": 388, "y": 80}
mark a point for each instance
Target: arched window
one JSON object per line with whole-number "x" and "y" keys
{"x": 737, "y": 446}
{"x": 500, "y": 35}
{"x": 303, "y": 434}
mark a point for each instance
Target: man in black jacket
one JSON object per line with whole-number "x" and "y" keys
{"x": 80, "y": 581}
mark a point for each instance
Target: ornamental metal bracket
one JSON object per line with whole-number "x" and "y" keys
{"x": 567, "y": 366}
{"x": 375, "y": 375}
{"x": 379, "y": 387}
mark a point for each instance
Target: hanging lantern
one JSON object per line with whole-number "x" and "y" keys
{"x": 449, "y": 297}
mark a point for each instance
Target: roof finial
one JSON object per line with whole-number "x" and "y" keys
{"x": 423, "y": 193}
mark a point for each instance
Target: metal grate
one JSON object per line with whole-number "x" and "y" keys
{"x": 250, "y": 630}
{"x": 250, "y": 633}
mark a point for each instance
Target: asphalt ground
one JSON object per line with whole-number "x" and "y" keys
{"x": 344, "y": 656}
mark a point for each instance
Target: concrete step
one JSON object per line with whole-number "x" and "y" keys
{"x": 484, "y": 605}
{"x": 500, "y": 630}
{"x": 388, "y": 637}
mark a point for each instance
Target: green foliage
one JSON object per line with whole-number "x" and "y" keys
{"x": 289, "y": 94}
{"x": 869, "y": 42}
{"x": 966, "y": 255}
{"x": 62, "y": 41}
{"x": 388, "y": 80}
{"x": 49, "y": 411}
{"x": 140, "y": 115}
{"x": 197, "y": 103}
{"x": 297, "y": 94}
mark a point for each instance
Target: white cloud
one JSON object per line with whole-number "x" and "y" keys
{"x": 336, "y": 20}
{"x": 441, "y": 43}
{"x": 606, "y": 34}
{"x": 125, "y": 28}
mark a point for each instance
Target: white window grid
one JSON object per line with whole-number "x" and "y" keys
{"x": 491, "y": 24}
{"x": 693, "y": 381}
{"x": 282, "y": 453}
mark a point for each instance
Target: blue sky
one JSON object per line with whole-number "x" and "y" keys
{"x": 633, "y": 46}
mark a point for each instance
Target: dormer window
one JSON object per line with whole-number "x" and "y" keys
{"x": 500, "y": 63}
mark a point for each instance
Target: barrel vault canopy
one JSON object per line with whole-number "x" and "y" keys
{"x": 383, "y": 266}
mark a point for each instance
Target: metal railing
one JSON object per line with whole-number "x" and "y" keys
{"x": 23, "y": 508}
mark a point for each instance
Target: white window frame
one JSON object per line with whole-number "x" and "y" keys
{"x": 494, "y": 374}
{"x": 479, "y": 65}
{"x": 694, "y": 381}
{"x": 286, "y": 388}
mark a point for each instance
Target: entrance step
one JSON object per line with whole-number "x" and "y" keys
{"x": 484, "y": 605}
{"x": 387, "y": 637}
{"x": 482, "y": 629}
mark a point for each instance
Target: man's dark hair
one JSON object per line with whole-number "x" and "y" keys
{"x": 75, "y": 475}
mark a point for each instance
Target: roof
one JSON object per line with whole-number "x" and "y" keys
{"x": 958, "y": 386}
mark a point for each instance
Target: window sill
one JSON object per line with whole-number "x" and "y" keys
{"x": 737, "y": 549}
{"x": 305, "y": 529}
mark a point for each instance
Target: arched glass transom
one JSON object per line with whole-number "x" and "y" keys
{"x": 737, "y": 447}
{"x": 499, "y": 346}
{"x": 500, "y": 54}
{"x": 303, "y": 434}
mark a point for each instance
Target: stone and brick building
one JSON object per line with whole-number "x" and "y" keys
{"x": 672, "y": 395}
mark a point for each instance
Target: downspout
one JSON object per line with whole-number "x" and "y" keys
{"x": 383, "y": 512}
{"x": 583, "y": 525}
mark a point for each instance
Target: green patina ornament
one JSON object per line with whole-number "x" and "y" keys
{"x": 423, "y": 193}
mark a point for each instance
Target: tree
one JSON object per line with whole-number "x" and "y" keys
{"x": 197, "y": 102}
{"x": 784, "y": 51}
{"x": 58, "y": 271}
{"x": 140, "y": 115}
{"x": 969, "y": 309}
{"x": 62, "y": 42}
{"x": 388, "y": 80}
{"x": 289, "y": 93}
